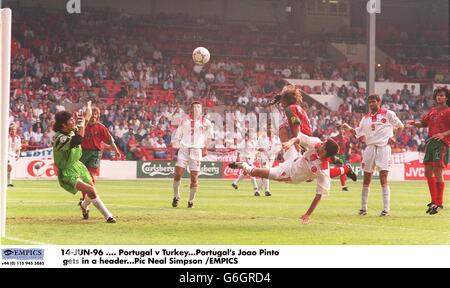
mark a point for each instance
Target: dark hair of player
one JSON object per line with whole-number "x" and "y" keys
{"x": 61, "y": 118}
{"x": 290, "y": 95}
{"x": 332, "y": 148}
{"x": 375, "y": 97}
{"x": 438, "y": 90}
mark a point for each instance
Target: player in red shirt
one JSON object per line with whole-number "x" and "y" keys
{"x": 95, "y": 135}
{"x": 437, "y": 149}
{"x": 342, "y": 154}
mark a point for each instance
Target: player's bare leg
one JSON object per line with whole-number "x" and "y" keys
{"x": 92, "y": 196}
{"x": 386, "y": 193}
{"x": 176, "y": 185}
{"x": 194, "y": 187}
{"x": 365, "y": 193}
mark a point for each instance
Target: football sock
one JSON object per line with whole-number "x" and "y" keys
{"x": 192, "y": 194}
{"x": 9, "y": 178}
{"x": 338, "y": 171}
{"x": 98, "y": 203}
{"x": 255, "y": 185}
{"x": 343, "y": 180}
{"x": 176, "y": 189}
{"x": 432, "y": 186}
{"x": 365, "y": 197}
{"x": 85, "y": 203}
{"x": 440, "y": 193}
{"x": 266, "y": 184}
{"x": 386, "y": 198}
{"x": 241, "y": 176}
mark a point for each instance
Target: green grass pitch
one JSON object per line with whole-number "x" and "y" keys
{"x": 40, "y": 212}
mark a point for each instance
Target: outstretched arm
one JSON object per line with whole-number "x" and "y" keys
{"x": 312, "y": 207}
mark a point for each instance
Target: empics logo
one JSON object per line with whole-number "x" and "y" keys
{"x": 373, "y": 6}
{"x": 22, "y": 254}
{"x": 73, "y": 6}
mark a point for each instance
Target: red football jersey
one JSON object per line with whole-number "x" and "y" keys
{"x": 94, "y": 136}
{"x": 297, "y": 116}
{"x": 438, "y": 121}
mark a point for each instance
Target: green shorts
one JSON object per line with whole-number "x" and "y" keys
{"x": 436, "y": 153}
{"x": 68, "y": 177}
{"x": 91, "y": 158}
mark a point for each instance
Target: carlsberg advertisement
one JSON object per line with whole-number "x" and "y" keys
{"x": 166, "y": 169}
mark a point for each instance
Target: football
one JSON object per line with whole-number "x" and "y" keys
{"x": 200, "y": 55}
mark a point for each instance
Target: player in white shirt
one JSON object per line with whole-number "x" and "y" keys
{"x": 192, "y": 137}
{"x": 246, "y": 153}
{"x": 378, "y": 129}
{"x": 14, "y": 147}
{"x": 268, "y": 147}
{"x": 313, "y": 164}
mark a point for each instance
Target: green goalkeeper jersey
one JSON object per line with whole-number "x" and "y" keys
{"x": 64, "y": 156}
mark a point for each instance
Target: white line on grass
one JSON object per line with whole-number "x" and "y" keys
{"x": 26, "y": 241}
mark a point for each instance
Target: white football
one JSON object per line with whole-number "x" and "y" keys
{"x": 201, "y": 55}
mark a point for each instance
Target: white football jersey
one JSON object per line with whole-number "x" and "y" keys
{"x": 14, "y": 146}
{"x": 193, "y": 133}
{"x": 378, "y": 128}
{"x": 310, "y": 166}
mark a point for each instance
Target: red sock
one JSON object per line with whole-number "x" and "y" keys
{"x": 432, "y": 187}
{"x": 440, "y": 186}
{"x": 343, "y": 180}
{"x": 337, "y": 171}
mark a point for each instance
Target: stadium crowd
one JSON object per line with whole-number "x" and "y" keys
{"x": 139, "y": 72}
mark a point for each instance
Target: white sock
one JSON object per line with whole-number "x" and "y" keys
{"x": 98, "y": 203}
{"x": 86, "y": 202}
{"x": 260, "y": 184}
{"x": 255, "y": 185}
{"x": 266, "y": 184}
{"x": 9, "y": 178}
{"x": 176, "y": 189}
{"x": 365, "y": 197}
{"x": 192, "y": 195}
{"x": 387, "y": 198}
{"x": 241, "y": 176}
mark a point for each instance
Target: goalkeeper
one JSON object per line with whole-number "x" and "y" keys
{"x": 73, "y": 176}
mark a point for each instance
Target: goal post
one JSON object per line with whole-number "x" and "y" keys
{"x": 5, "y": 68}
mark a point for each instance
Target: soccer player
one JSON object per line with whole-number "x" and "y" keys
{"x": 73, "y": 176}
{"x": 297, "y": 121}
{"x": 95, "y": 135}
{"x": 313, "y": 164}
{"x": 192, "y": 137}
{"x": 247, "y": 154}
{"x": 437, "y": 148}
{"x": 268, "y": 147}
{"x": 14, "y": 147}
{"x": 341, "y": 157}
{"x": 378, "y": 127}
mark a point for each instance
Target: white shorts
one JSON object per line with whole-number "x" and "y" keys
{"x": 282, "y": 172}
{"x": 376, "y": 156}
{"x": 191, "y": 157}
